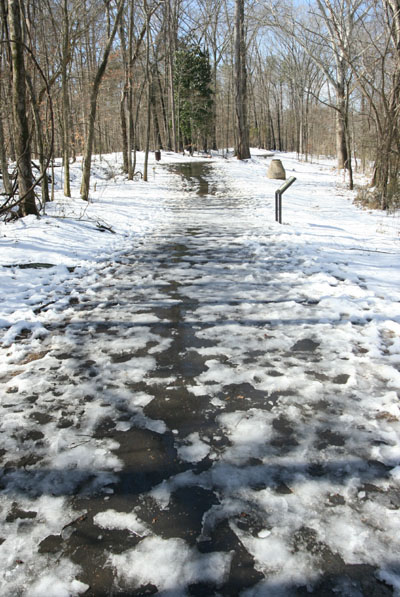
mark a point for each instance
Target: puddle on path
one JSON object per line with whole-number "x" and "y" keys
{"x": 203, "y": 190}
{"x": 197, "y": 174}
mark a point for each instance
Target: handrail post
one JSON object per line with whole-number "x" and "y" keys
{"x": 277, "y": 201}
{"x": 278, "y": 198}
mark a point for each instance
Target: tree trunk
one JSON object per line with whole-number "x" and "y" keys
{"x": 65, "y": 101}
{"x": 124, "y": 131}
{"x": 171, "y": 50}
{"x": 389, "y": 176}
{"x": 4, "y": 162}
{"x": 40, "y": 141}
{"x": 148, "y": 99}
{"x": 163, "y": 112}
{"x": 242, "y": 131}
{"x": 214, "y": 108}
{"x": 341, "y": 117}
{"x": 123, "y": 100}
{"x": 22, "y": 137}
{"x": 87, "y": 160}
{"x": 156, "y": 120}
{"x": 129, "y": 98}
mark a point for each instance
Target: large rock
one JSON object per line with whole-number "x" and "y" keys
{"x": 276, "y": 170}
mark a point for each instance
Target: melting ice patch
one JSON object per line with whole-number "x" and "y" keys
{"x": 58, "y": 583}
{"x": 111, "y": 519}
{"x": 25, "y": 572}
{"x": 249, "y": 433}
{"x": 171, "y": 565}
{"x": 193, "y": 448}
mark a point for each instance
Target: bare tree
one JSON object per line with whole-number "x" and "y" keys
{"x": 216, "y": 34}
{"x": 65, "y": 59}
{"x": 22, "y": 134}
{"x": 148, "y": 103}
{"x": 373, "y": 57}
{"x": 327, "y": 34}
{"x": 87, "y": 160}
{"x": 242, "y": 131}
{"x": 3, "y": 161}
{"x": 377, "y": 72}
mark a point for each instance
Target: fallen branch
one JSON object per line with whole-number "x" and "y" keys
{"x": 104, "y": 228}
{"x": 100, "y": 225}
{"x": 40, "y": 309}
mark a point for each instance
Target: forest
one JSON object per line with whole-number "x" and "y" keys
{"x": 85, "y": 77}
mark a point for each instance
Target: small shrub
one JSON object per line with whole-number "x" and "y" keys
{"x": 109, "y": 173}
{"x": 368, "y": 198}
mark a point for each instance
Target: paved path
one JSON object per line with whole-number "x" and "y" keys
{"x": 196, "y": 433}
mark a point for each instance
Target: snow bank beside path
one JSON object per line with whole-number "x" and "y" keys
{"x": 319, "y": 215}
{"x": 37, "y": 255}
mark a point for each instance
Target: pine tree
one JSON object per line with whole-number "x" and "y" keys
{"x": 193, "y": 95}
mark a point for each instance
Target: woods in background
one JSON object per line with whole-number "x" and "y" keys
{"x": 83, "y": 77}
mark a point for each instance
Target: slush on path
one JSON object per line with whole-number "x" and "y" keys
{"x": 213, "y": 409}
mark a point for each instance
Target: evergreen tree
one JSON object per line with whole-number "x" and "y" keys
{"x": 193, "y": 95}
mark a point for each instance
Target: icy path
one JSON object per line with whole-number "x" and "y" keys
{"x": 215, "y": 415}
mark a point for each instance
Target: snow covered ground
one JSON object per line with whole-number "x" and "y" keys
{"x": 255, "y": 365}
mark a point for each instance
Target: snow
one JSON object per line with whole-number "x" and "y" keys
{"x": 297, "y": 329}
{"x": 110, "y": 519}
{"x": 171, "y": 565}
{"x": 50, "y": 585}
{"x": 194, "y": 449}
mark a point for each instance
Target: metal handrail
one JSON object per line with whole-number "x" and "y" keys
{"x": 278, "y": 198}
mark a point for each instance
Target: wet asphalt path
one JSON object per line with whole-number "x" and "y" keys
{"x": 188, "y": 256}
{"x": 200, "y": 282}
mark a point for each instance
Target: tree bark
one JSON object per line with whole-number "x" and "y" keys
{"x": 341, "y": 126}
{"x": 124, "y": 99}
{"x": 65, "y": 100}
{"x": 214, "y": 108}
{"x": 171, "y": 18}
{"x": 40, "y": 140}
{"x": 4, "y": 162}
{"x": 156, "y": 121}
{"x": 22, "y": 136}
{"x": 242, "y": 131}
{"x": 165, "y": 127}
{"x": 148, "y": 99}
{"x": 129, "y": 97}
